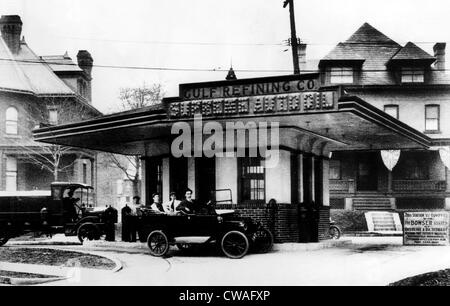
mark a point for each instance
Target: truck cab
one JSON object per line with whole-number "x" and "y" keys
{"x": 67, "y": 209}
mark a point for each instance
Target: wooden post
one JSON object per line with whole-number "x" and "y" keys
{"x": 294, "y": 44}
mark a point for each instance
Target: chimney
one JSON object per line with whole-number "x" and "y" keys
{"x": 85, "y": 61}
{"x": 439, "y": 54}
{"x": 11, "y": 29}
{"x": 302, "y": 55}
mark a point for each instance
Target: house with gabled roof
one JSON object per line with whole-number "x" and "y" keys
{"x": 40, "y": 90}
{"x": 410, "y": 85}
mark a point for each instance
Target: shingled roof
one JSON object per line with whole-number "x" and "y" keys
{"x": 366, "y": 44}
{"x": 375, "y": 52}
{"x": 412, "y": 52}
{"x": 26, "y": 72}
{"x": 61, "y": 63}
{"x": 368, "y": 34}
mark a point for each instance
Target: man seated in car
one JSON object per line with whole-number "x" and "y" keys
{"x": 170, "y": 207}
{"x": 192, "y": 206}
{"x": 156, "y": 205}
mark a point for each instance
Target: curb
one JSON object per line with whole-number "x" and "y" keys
{"x": 28, "y": 281}
{"x": 327, "y": 244}
{"x": 117, "y": 262}
{"x": 44, "y": 243}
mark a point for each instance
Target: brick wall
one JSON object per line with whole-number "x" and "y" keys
{"x": 324, "y": 223}
{"x": 281, "y": 220}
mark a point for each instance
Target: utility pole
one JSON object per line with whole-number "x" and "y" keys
{"x": 294, "y": 42}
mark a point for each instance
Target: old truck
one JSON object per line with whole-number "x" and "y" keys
{"x": 65, "y": 210}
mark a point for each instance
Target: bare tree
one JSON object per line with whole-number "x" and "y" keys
{"x": 54, "y": 159}
{"x": 135, "y": 98}
{"x": 138, "y": 97}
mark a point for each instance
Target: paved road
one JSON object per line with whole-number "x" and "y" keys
{"x": 369, "y": 261}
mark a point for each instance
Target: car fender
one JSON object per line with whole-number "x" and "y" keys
{"x": 89, "y": 219}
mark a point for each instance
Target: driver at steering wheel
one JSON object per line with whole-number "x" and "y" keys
{"x": 70, "y": 206}
{"x": 191, "y": 206}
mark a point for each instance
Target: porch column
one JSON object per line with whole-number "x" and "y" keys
{"x": 300, "y": 178}
{"x": 191, "y": 175}
{"x": 389, "y": 181}
{"x": 144, "y": 180}
{"x": 94, "y": 178}
{"x": 165, "y": 179}
{"x": 447, "y": 188}
{"x": 325, "y": 182}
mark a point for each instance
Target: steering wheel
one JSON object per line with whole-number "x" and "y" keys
{"x": 79, "y": 210}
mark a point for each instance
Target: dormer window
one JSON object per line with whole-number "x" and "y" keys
{"x": 413, "y": 75}
{"x": 341, "y": 75}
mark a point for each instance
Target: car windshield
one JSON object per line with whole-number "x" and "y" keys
{"x": 83, "y": 195}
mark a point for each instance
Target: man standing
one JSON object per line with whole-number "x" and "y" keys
{"x": 171, "y": 205}
{"x": 133, "y": 217}
{"x": 126, "y": 212}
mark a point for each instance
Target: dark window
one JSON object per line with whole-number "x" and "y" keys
{"x": 392, "y": 110}
{"x": 431, "y": 117}
{"x": 412, "y": 166}
{"x": 252, "y": 180}
{"x": 335, "y": 169}
{"x": 84, "y": 173}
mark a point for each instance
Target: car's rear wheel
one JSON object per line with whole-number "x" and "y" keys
{"x": 158, "y": 243}
{"x": 88, "y": 231}
{"x": 263, "y": 240}
{"x": 234, "y": 244}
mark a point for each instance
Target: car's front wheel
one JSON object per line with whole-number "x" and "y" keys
{"x": 158, "y": 243}
{"x": 234, "y": 244}
{"x": 88, "y": 231}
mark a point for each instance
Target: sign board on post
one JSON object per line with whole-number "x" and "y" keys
{"x": 426, "y": 228}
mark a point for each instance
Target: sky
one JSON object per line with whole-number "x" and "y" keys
{"x": 209, "y": 34}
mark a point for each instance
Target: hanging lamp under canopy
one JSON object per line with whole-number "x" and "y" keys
{"x": 390, "y": 158}
{"x": 444, "y": 153}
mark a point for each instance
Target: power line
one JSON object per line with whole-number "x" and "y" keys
{"x": 178, "y": 69}
{"x": 211, "y": 43}
{"x": 157, "y": 42}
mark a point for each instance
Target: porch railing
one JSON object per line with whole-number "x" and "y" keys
{"x": 342, "y": 185}
{"x": 418, "y": 185}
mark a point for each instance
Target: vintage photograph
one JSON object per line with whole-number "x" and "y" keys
{"x": 212, "y": 143}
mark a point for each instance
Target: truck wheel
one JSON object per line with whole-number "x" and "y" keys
{"x": 263, "y": 240}
{"x": 158, "y": 243}
{"x": 234, "y": 244}
{"x": 4, "y": 237}
{"x": 88, "y": 231}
